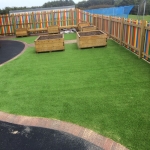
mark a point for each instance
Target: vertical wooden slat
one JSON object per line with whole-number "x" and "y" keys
{"x": 102, "y": 23}
{"x": 14, "y": 21}
{"x": 96, "y": 20}
{"x": 142, "y": 38}
{"x": 77, "y": 16}
{"x": 109, "y": 26}
{"x": 32, "y": 19}
{"x": 52, "y": 18}
{"x": 121, "y": 30}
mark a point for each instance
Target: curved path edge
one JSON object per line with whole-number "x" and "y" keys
{"x": 28, "y": 45}
{"x": 86, "y": 134}
{"x": 25, "y": 47}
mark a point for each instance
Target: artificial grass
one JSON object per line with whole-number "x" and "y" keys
{"x": 105, "y": 89}
{"x": 70, "y": 36}
{"x": 29, "y": 39}
{"x": 135, "y": 17}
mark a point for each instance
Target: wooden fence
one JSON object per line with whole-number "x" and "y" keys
{"x": 133, "y": 34}
{"x": 9, "y": 23}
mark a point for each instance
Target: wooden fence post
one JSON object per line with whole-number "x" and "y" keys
{"x": 93, "y": 19}
{"x": 97, "y": 27}
{"x": 142, "y": 38}
{"x": 109, "y": 27}
{"x": 121, "y": 30}
{"x": 72, "y": 21}
{"x": 77, "y": 19}
{"x": 96, "y": 21}
{"x": 102, "y": 23}
{"x": 14, "y": 21}
{"x": 33, "y": 20}
{"x": 53, "y": 17}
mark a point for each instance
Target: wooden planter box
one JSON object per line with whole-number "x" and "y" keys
{"x": 82, "y": 24}
{"x": 21, "y": 32}
{"x": 89, "y": 28}
{"x": 91, "y": 39}
{"x": 37, "y": 30}
{"x": 49, "y": 43}
{"x": 53, "y": 29}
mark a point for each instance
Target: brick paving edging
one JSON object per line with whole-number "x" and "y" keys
{"x": 86, "y": 134}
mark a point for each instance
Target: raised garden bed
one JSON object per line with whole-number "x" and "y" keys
{"x": 21, "y": 32}
{"x": 91, "y": 39}
{"x": 37, "y": 30}
{"x": 82, "y": 24}
{"x": 53, "y": 29}
{"x": 49, "y": 43}
{"x": 88, "y": 28}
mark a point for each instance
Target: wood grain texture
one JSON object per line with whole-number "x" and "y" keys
{"x": 49, "y": 44}
{"x": 91, "y": 41}
{"x": 21, "y": 32}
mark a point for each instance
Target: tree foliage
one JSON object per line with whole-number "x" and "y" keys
{"x": 90, "y": 4}
{"x": 59, "y": 3}
{"x": 94, "y": 4}
{"x": 137, "y": 4}
{"x": 7, "y": 9}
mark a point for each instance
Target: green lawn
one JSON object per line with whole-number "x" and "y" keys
{"x": 147, "y": 17}
{"x": 31, "y": 39}
{"x": 70, "y": 36}
{"x": 28, "y": 40}
{"x": 104, "y": 89}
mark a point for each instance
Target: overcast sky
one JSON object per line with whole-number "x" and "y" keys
{"x": 22, "y": 3}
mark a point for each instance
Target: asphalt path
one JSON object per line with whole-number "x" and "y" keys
{"x": 18, "y": 137}
{"x": 9, "y": 49}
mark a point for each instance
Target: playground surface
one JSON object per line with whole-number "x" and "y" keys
{"x": 92, "y": 88}
{"x": 37, "y": 133}
{"x": 9, "y": 49}
{"x": 15, "y": 137}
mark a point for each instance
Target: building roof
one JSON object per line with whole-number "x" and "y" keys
{"x": 41, "y": 9}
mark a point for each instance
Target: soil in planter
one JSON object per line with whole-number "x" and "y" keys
{"x": 50, "y": 37}
{"x": 90, "y": 33}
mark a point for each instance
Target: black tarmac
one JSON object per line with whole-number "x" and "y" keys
{"x": 18, "y": 137}
{"x": 9, "y": 49}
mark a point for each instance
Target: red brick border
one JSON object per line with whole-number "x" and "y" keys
{"x": 86, "y": 134}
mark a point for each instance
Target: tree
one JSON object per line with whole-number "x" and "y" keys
{"x": 58, "y": 3}
{"x": 94, "y": 3}
{"x": 136, "y": 3}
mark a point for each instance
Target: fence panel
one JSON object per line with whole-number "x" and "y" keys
{"x": 132, "y": 35}
{"x": 6, "y": 24}
{"x": 9, "y": 23}
{"x": 115, "y": 28}
{"x": 84, "y": 17}
{"x": 146, "y": 53}
{"x": 105, "y": 24}
{"x": 99, "y": 22}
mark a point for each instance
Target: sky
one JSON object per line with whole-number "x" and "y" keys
{"x": 22, "y": 3}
